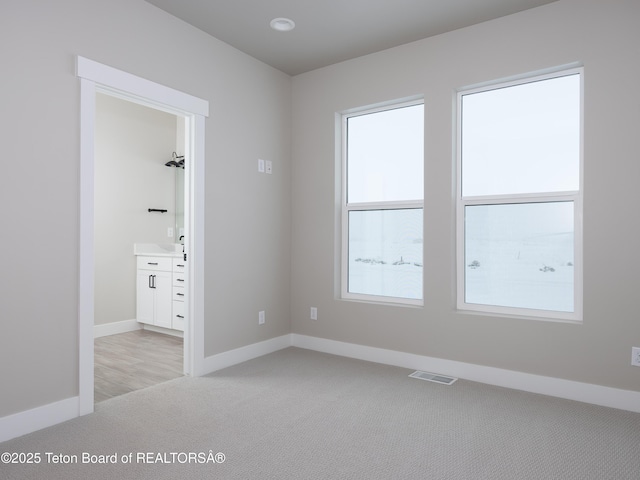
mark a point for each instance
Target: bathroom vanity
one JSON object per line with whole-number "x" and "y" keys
{"x": 160, "y": 286}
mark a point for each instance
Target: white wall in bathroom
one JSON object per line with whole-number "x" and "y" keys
{"x": 133, "y": 143}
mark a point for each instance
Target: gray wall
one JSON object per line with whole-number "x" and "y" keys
{"x": 270, "y": 239}
{"x": 247, "y": 215}
{"x": 604, "y": 36}
{"x": 132, "y": 144}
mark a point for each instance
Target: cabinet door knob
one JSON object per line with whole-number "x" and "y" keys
{"x": 179, "y": 316}
{"x": 152, "y": 263}
{"x": 180, "y": 294}
{"x": 179, "y": 279}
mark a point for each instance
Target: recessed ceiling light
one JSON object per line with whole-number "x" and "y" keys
{"x": 282, "y": 24}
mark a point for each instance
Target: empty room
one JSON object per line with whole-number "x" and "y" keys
{"x": 405, "y": 248}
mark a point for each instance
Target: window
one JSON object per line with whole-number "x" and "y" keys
{"x": 382, "y": 201}
{"x": 519, "y": 202}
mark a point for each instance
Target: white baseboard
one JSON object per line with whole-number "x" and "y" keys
{"x": 166, "y": 331}
{"x": 115, "y": 327}
{"x": 556, "y": 387}
{"x": 242, "y": 354}
{"x": 21, "y": 423}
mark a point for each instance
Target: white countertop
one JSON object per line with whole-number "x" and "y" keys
{"x": 158, "y": 249}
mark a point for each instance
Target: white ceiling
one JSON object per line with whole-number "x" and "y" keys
{"x": 331, "y": 31}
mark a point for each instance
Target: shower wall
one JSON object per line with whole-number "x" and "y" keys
{"x": 132, "y": 144}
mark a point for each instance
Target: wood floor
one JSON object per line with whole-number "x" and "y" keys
{"x": 134, "y": 360}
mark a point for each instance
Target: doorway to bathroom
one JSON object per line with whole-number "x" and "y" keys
{"x": 139, "y": 160}
{"x": 97, "y": 79}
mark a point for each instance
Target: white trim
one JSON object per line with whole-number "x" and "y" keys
{"x": 28, "y": 421}
{"x": 22, "y": 423}
{"x": 555, "y": 387}
{"x": 86, "y": 298}
{"x": 166, "y": 331}
{"x": 194, "y": 246}
{"x": 96, "y": 77}
{"x": 131, "y": 87}
{"x": 114, "y": 328}
{"x": 243, "y": 354}
{"x": 515, "y": 80}
{"x": 391, "y": 205}
{"x": 384, "y": 106}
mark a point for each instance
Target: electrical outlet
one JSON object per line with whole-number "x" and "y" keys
{"x": 261, "y": 317}
{"x": 170, "y": 232}
{"x": 314, "y": 313}
{"x": 269, "y": 167}
{"x": 635, "y": 356}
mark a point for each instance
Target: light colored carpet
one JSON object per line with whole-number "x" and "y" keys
{"x": 298, "y": 414}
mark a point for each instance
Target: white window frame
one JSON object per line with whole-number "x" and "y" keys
{"x": 565, "y": 196}
{"x": 370, "y": 206}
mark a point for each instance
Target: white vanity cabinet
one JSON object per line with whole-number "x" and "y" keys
{"x": 178, "y": 293}
{"x": 154, "y": 290}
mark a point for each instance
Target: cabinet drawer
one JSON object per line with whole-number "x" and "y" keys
{"x": 155, "y": 263}
{"x": 178, "y": 265}
{"x": 178, "y": 294}
{"x": 177, "y": 322}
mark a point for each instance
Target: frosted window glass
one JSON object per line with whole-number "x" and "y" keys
{"x": 522, "y": 139}
{"x": 385, "y": 155}
{"x": 385, "y": 253}
{"x": 520, "y": 255}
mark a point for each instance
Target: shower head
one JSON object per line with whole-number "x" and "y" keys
{"x": 176, "y": 161}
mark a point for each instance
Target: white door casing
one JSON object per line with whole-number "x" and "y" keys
{"x": 96, "y": 77}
